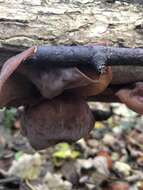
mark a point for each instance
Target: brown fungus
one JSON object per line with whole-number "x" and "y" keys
{"x": 17, "y": 91}
{"x": 11, "y": 64}
{"x": 55, "y": 117}
{"x": 133, "y": 98}
{"x": 65, "y": 118}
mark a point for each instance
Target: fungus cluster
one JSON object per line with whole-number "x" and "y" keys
{"x": 55, "y": 99}
{"x": 55, "y": 107}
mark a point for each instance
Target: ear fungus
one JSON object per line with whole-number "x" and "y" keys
{"x": 97, "y": 87}
{"x": 65, "y": 118}
{"x": 18, "y": 91}
{"x": 133, "y": 98}
{"x": 11, "y": 64}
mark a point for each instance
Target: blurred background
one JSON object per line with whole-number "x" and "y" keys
{"x": 110, "y": 158}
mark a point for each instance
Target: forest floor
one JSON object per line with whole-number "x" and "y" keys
{"x": 110, "y": 159}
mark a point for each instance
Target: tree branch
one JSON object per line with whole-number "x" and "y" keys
{"x": 90, "y": 57}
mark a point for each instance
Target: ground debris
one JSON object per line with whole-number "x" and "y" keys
{"x": 111, "y": 158}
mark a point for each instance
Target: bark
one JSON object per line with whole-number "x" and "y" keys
{"x": 27, "y": 22}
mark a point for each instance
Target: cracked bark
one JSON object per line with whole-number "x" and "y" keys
{"x": 24, "y": 23}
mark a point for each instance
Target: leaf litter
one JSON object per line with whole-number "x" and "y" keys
{"x": 111, "y": 158}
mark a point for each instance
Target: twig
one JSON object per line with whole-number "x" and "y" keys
{"x": 89, "y": 57}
